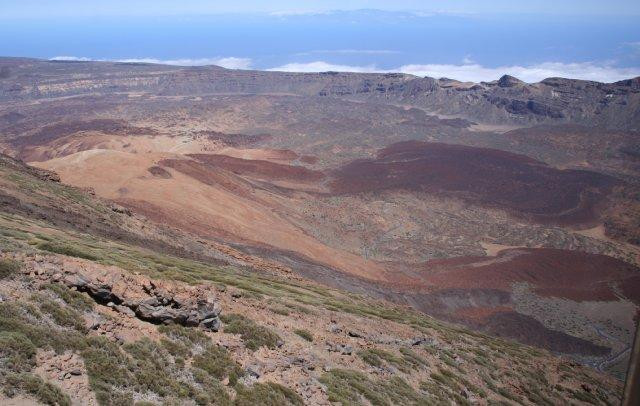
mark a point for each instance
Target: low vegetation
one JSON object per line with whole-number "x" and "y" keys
{"x": 253, "y": 335}
{"x": 350, "y": 387}
{"x": 269, "y": 394}
{"x": 184, "y": 366}
{"x": 68, "y": 250}
{"x": 78, "y": 301}
{"x": 217, "y": 362}
{"x": 8, "y": 268}
{"x": 305, "y": 334}
{"x": 35, "y": 386}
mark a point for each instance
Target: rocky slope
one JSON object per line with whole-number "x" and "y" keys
{"x": 89, "y": 320}
{"x": 386, "y": 185}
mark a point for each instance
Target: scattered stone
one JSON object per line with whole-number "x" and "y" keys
{"x": 344, "y": 349}
{"x": 253, "y": 371}
{"x": 125, "y": 310}
{"x": 212, "y": 324}
{"x": 423, "y": 341}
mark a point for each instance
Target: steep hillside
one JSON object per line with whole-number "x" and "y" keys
{"x": 89, "y": 319}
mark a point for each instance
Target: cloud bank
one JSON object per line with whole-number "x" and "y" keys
{"x": 467, "y": 71}
{"x": 474, "y": 72}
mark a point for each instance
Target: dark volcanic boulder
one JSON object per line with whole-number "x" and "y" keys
{"x": 149, "y": 302}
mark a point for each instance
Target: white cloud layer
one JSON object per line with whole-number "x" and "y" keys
{"x": 70, "y": 58}
{"x": 467, "y": 71}
{"x": 320, "y": 66}
{"x": 474, "y": 72}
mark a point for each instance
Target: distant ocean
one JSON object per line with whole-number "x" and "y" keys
{"x": 363, "y": 38}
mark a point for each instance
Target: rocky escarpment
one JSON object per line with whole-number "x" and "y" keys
{"x": 156, "y": 302}
{"x": 507, "y": 100}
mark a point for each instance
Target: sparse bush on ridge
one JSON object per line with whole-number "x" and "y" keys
{"x": 187, "y": 336}
{"x": 348, "y": 387}
{"x": 75, "y": 299}
{"x": 266, "y": 394}
{"x": 280, "y": 310}
{"x": 17, "y": 352}
{"x": 9, "y": 268}
{"x": 217, "y": 362}
{"x": 252, "y": 334}
{"x": 67, "y": 250}
{"x": 213, "y": 392}
{"x": 64, "y": 317}
{"x": 375, "y": 357}
{"x": 304, "y": 334}
{"x": 35, "y": 386}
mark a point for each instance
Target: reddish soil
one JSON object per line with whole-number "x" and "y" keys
{"x": 528, "y": 330}
{"x": 54, "y": 131}
{"x": 207, "y": 175}
{"x": 159, "y": 172}
{"x": 235, "y": 140}
{"x": 308, "y": 159}
{"x": 567, "y": 274}
{"x": 480, "y": 313}
{"x": 482, "y": 176}
{"x": 258, "y": 168}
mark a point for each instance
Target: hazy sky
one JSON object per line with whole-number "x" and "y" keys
{"x": 462, "y": 39}
{"x": 70, "y": 8}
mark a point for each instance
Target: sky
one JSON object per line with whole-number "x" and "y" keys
{"x": 461, "y": 39}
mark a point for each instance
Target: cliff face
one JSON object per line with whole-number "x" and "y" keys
{"x": 505, "y": 101}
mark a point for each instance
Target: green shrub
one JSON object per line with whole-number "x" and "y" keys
{"x": 189, "y": 337}
{"x": 35, "y": 386}
{"x": 304, "y": 334}
{"x": 75, "y": 299}
{"x": 375, "y": 357}
{"x": 410, "y": 357}
{"x": 17, "y": 352}
{"x": 67, "y": 250}
{"x": 370, "y": 358}
{"x": 24, "y": 318}
{"x": 175, "y": 348}
{"x": 253, "y": 335}
{"x": 213, "y": 392}
{"x": 217, "y": 362}
{"x": 348, "y": 387}
{"x": 9, "y": 268}
{"x": 153, "y": 371}
{"x": 64, "y": 317}
{"x": 107, "y": 366}
{"x": 266, "y": 394}
{"x": 280, "y": 310}
{"x": 398, "y": 392}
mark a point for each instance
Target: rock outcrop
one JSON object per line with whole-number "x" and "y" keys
{"x": 153, "y": 301}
